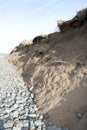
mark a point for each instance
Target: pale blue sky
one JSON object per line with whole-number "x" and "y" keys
{"x": 25, "y": 19}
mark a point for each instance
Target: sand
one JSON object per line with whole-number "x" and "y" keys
{"x": 57, "y": 67}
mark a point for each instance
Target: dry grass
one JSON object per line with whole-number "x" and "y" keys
{"x": 26, "y": 42}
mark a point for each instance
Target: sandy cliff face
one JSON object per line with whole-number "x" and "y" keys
{"x": 57, "y": 66}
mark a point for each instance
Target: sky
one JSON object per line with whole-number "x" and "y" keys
{"x": 25, "y": 19}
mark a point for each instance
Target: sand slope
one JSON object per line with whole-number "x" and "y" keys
{"x": 57, "y": 66}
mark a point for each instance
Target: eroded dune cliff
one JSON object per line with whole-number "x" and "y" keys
{"x": 56, "y": 64}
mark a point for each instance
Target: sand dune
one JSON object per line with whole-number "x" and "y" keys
{"x": 57, "y": 66}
